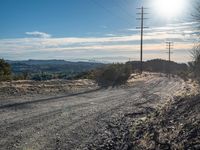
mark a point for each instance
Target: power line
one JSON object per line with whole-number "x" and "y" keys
{"x": 142, "y": 27}
{"x": 124, "y": 10}
{"x": 110, "y": 12}
{"x": 124, "y": 2}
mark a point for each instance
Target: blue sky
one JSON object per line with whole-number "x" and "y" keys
{"x": 102, "y": 30}
{"x": 63, "y": 17}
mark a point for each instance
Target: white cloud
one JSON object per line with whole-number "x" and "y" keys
{"x": 39, "y": 34}
{"x": 184, "y": 28}
{"x": 97, "y": 46}
{"x": 81, "y": 43}
{"x": 133, "y": 29}
{"x": 104, "y": 27}
{"x": 110, "y": 34}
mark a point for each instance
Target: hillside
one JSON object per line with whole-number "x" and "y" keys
{"x": 35, "y": 66}
{"x": 159, "y": 65}
{"x": 50, "y": 69}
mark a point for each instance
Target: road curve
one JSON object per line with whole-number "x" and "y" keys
{"x": 75, "y": 121}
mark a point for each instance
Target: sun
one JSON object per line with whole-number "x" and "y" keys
{"x": 169, "y": 8}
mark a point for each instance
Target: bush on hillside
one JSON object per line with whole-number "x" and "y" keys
{"x": 5, "y": 70}
{"x": 196, "y": 50}
{"x": 42, "y": 76}
{"x": 108, "y": 75}
{"x": 21, "y": 76}
{"x": 85, "y": 75}
{"x": 195, "y": 65}
{"x": 113, "y": 74}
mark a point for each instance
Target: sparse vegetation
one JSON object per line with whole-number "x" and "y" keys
{"x": 195, "y": 65}
{"x": 115, "y": 74}
{"x": 175, "y": 126}
{"x": 109, "y": 75}
{"x": 159, "y": 65}
{"x": 5, "y": 70}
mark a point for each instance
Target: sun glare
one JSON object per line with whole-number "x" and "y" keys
{"x": 169, "y": 8}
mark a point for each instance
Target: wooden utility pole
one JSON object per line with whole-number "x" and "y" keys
{"x": 169, "y": 45}
{"x": 141, "y": 35}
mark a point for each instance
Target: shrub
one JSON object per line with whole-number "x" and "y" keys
{"x": 113, "y": 74}
{"x": 42, "y": 76}
{"x": 85, "y": 75}
{"x": 108, "y": 75}
{"x": 22, "y": 76}
{"x": 195, "y": 65}
{"x": 183, "y": 74}
{"x": 5, "y": 71}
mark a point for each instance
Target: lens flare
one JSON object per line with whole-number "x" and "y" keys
{"x": 169, "y": 8}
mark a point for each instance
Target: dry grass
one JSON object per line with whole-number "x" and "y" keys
{"x": 175, "y": 126}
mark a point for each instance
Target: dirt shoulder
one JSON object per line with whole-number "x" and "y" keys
{"x": 23, "y": 90}
{"x": 30, "y": 87}
{"x": 174, "y": 126}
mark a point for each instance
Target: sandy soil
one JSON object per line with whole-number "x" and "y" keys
{"x": 95, "y": 119}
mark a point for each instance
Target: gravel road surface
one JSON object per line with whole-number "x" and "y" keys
{"x": 98, "y": 119}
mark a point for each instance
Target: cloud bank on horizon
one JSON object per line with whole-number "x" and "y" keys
{"x": 120, "y": 48}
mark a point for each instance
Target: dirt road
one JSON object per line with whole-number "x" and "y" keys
{"x": 80, "y": 121}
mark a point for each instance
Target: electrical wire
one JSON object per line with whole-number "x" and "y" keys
{"x": 110, "y": 12}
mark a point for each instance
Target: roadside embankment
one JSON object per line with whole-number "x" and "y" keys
{"x": 174, "y": 126}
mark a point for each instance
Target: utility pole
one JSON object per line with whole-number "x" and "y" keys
{"x": 169, "y": 45}
{"x": 141, "y": 34}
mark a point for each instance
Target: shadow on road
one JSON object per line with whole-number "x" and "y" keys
{"x": 46, "y": 99}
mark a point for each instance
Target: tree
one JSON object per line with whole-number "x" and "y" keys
{"x": 196, "y": 15}
{"x": 5, "y": 70}
{"x": 195, "y": 65}
{"x": 196, "y": 49}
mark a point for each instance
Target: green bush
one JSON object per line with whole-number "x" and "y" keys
{"x": 85, "y": 75}
{"x": 5, "y": 71}
{"x": 113, "y": 74}
{"x": 21, "y": 76}
{"x": 42, "y": 76}
{"x": 108, "y": 75}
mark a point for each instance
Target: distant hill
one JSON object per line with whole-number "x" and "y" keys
{"x": 53, "y": 69}
{"x": 159, "y": 65}
{"x": 51, "y": 66}
{"x": 40, "y": 62}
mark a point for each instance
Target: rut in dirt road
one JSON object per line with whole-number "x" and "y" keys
{"x": 76, "y": 121}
